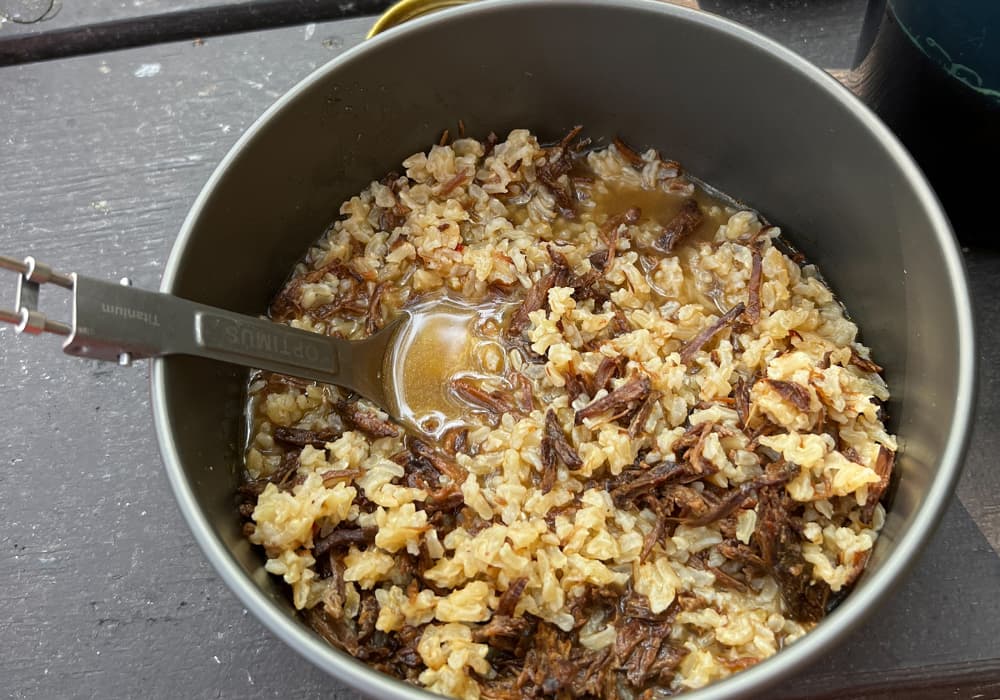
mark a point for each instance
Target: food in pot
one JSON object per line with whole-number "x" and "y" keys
{"x": 656, "y": 456}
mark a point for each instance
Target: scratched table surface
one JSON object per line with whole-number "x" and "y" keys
{"x": 103, "y": 591}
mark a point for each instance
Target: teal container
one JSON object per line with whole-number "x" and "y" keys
{"x": 931, "y": 70}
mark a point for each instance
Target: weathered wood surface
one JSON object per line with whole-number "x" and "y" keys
{"x": 979, "y": 488}
{"x": 45, "y": 38}
{"x": 103, "y": 590}
{"x": 823, "y": 32}
{"x": 19, "y": 17}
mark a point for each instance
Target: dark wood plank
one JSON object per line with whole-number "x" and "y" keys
{"x": 103, "y": 589}
{"x": 36, "y": 16}
{"x": 193, "y": 22}
{"x": 30, "y": 16}
{"x": 980, "y": 485}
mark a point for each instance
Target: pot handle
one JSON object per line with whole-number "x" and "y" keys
{"x": 405, "y": 10}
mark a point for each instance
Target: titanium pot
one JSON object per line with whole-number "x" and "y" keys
{"x": 739, "y": 111}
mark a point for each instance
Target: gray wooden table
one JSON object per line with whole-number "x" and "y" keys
{"x": 103, "y": 592}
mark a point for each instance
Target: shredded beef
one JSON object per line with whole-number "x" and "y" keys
{"x": 637, "y": 425}
{"x": 611, "y": 232}
{"x": 555, "y": 447}
{"x": 863, "y": 363}
{"x": 365, "y": 421}
{"x": 444, "y": 465}
{"x": 536, "y": 298}
{"x": 374, "y": 320}
{"x": 634, "y": 482}
{"x": 618, "y": 401}
{"x": 300, "y": 438}
{"x": 342, "y": 537}
{"x": 609, "y": 368}
{"x": 883, "y": 467}
{"x": 791, "y": 392}
{"x": 695, "y": 344}
{"x": 629, "y": 154}
{"x": 559, "y": 162}
{"x": 741, "y": 394}
{"x": 752, "y": 312}
{"x": 495, "y": 403}
{"x": 681, "y": 226}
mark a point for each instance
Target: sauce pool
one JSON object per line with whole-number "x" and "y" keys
{"x": 443, "y": 340}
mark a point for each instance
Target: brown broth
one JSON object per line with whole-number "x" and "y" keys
{"x": 445, "y": 339}
{"x": 660, "y": 207}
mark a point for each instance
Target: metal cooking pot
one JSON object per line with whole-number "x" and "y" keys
{"x": 738, "y": 110}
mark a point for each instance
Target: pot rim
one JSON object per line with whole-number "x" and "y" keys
{"x": 835, "y": 627}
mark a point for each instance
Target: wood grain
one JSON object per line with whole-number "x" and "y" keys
{"x": 74, "y": 39}
{"x": 979, "y": 488}
{"x": 103, "y": 590}
{"x": 19, "y": 17}
{"x": 824, "y": 32}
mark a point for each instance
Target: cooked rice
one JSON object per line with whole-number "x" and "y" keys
{"x": 417, "y": 589}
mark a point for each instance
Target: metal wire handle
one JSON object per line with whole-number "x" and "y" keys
{"x": 26, "y": 315}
